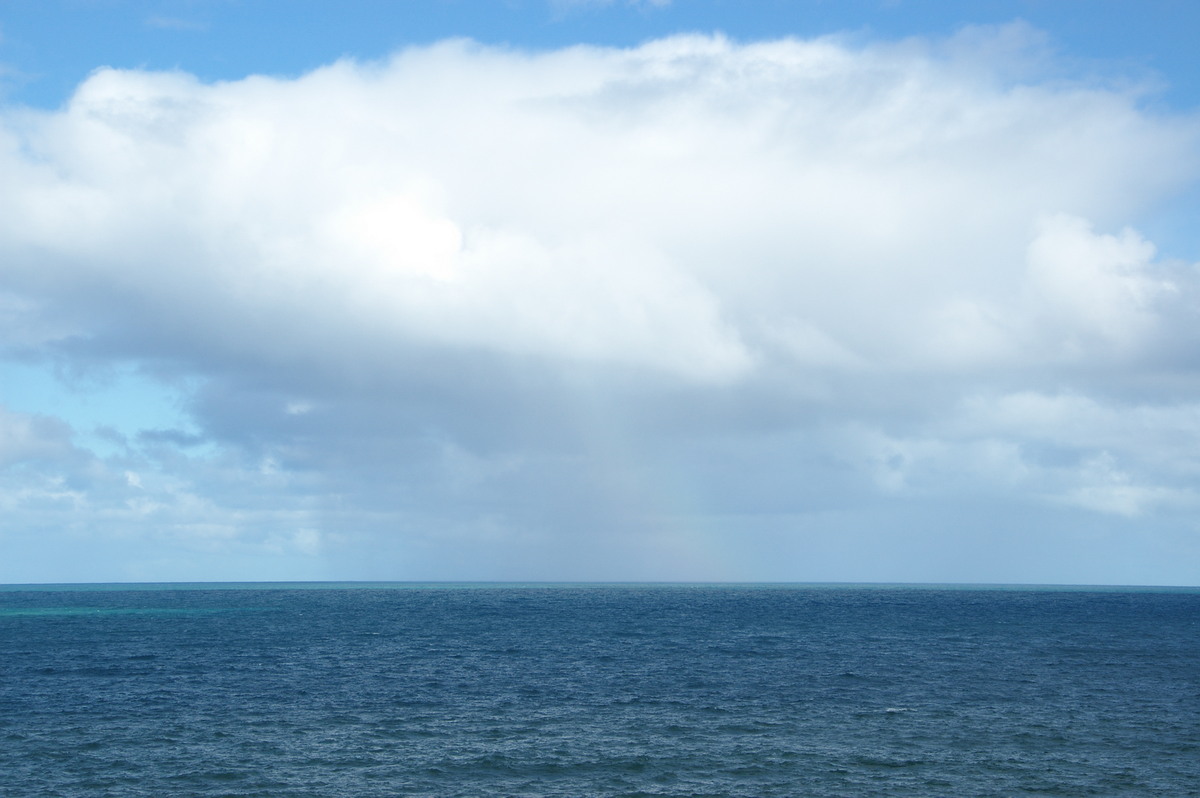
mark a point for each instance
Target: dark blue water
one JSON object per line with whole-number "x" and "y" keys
{"x": 599, "y": 691}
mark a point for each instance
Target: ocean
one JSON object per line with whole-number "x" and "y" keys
{"x": 598, "y": 690}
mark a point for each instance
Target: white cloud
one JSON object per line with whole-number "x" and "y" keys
{"x": 1164, "y": 433}
{"x": 1105, "y": 488}
{"x": 1094, "y": 286}
{"x": 65, "y": 508}
{"x": 651, "y": 207}
{"x": 1064, "y": 448}
{"x": 415, "y": 293}
{"x": 26, "y": 438}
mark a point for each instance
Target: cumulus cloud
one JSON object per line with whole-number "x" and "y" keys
{"x": 451, "y": 269}
{"x": 1105, "y": 456}
{"x": 67, "y": 509}
{"x": 656, "y": 207}
{"x": 1095, "y": 286}
{"x": 26, "y": 438}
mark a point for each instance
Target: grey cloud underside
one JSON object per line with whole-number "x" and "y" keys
{"x": 690, "y": 310}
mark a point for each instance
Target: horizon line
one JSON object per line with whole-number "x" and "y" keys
{"x": 551, "y": 583}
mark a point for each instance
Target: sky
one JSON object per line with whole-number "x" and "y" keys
{"x": 565, "y": 290}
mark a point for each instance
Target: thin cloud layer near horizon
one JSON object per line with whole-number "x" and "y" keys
{"x": 785, "y": 308}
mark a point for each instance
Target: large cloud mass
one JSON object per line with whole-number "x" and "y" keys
{"x": 618, "y": 302}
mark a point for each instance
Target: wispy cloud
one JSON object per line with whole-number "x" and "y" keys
{"x": 175, "y": 23}
{"x": 568, "y": 5}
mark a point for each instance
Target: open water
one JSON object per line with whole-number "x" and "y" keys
{"x": 444, "y": 690}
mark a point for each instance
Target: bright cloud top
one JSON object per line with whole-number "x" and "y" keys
{"x": 792, "y": 223}
{"x": 685, "y": 206}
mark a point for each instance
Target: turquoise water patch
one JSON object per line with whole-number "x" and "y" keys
{"x": 51, "y": 612}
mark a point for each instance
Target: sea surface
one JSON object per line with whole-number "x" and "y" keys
{"x": 589, "y": 690}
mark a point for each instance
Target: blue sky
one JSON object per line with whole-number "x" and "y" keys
{"x": 542, "y": 289}
{"x": 51, "y": 46}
